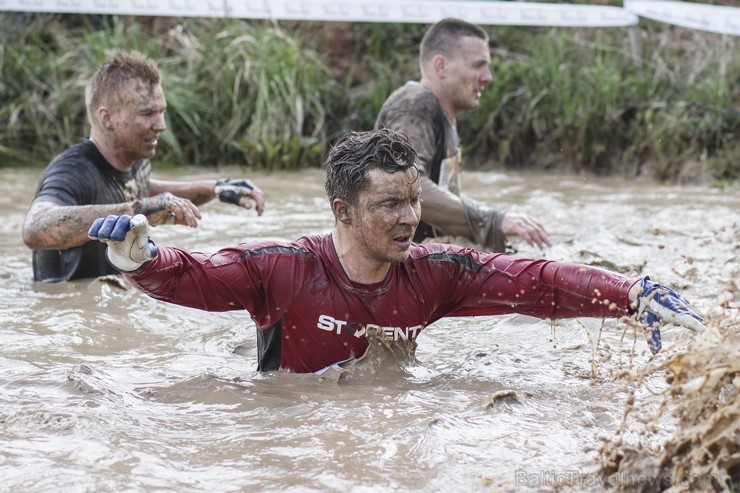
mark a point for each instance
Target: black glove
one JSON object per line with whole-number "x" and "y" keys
{"x": 230, "y": 191}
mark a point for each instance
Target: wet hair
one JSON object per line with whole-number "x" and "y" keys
{"x": 110, "y": 80}
{"x": 444, "y": 38}
{"x": 356, "y": 153}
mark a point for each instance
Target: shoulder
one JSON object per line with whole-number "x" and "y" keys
{"x": 79, "y": 155}
{"x": 415, "y": 110}
{"x": 412, "y": 90}
{"x": 411, "y": 97}
{"x": 71, "y": 178}
{"x": 78, "y": 166}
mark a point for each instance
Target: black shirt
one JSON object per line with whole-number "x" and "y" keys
{"x": 82, "y": 176}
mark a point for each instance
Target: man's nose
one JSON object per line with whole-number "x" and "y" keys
{"x": 411, "y": 215}
{"x": 160, "y": 124}
{"x": 486, "y": 76}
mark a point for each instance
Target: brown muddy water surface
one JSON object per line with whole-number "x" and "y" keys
{"x": 103, "y": 389}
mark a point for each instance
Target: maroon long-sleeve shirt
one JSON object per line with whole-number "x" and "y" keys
{"x": 309, "y": 314}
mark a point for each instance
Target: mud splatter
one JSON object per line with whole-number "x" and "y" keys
{"x": 703, "y": 398}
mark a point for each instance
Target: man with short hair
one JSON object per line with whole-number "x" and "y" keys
{"x": 316, "y": 300}
{"x": 109, "y": 173}
{"x": 453, "y": 57}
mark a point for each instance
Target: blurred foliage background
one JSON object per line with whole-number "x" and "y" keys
{"x": 654, "y": 101}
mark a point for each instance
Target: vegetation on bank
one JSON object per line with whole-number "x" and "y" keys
{"x": 654, "y": 101}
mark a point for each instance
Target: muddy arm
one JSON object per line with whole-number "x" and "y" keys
{"x": 49, "y": 226}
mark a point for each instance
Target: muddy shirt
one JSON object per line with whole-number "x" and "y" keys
{"x": 309, "y": 315}
{"x": 415, "y": 111}
{"x": 82, "y": 176}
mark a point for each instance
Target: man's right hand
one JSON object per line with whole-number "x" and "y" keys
{"x": 530, "y": 230}
{"x": 166, "y": 208}
{"x": 129, "y": 246}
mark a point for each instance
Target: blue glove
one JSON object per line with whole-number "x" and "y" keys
{"x": 129, "y": 246}
{"x": 658, "y": 305}
{"x": 230, "y": 191}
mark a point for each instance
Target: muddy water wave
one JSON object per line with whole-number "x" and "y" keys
{"x": 103, "y": 389}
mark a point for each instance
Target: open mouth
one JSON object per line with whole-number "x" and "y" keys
{"x": 403, "y": 240}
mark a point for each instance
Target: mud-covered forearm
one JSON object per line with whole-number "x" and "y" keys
{"x": 461, "y": 217}
{"x": 49, "y": 226}
{"x": 443, "y": 210}
{"x": 485, "y": 225}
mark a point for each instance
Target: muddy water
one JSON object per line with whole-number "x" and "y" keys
{"x": 103, "y": 389}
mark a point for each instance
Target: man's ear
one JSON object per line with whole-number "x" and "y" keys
{"x": 439, "y": 62}
{"x": 104, "y": 117}
{"x": 342, "y": 211}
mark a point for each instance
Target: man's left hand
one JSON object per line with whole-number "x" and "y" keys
{"x": 241, "y": 193}
{"x": 530, "y": 230}
{"x": 658, "y": 305}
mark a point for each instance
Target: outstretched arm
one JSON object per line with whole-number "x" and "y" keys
{"x": 556, "y": 290}
{"x": 197, "y": 280}
{"x": 443, "y": 209}
{"x": 243, "y": 193}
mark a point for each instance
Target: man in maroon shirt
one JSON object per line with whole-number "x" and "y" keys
{"x": 315, "y": 300}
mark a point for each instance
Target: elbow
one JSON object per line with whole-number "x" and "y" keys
{"x": 39, "y": 232}
{"x": 30, "y": 238}
{"x": 33, "y": 235}
{"x": 31, "y": 231}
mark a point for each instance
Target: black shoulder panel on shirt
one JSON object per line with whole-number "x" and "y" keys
{"x": 288, "y": 250}
{"x": 455, "y": 258}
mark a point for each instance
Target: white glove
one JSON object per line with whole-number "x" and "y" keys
{"x": 129, "y": 246}
{"x": 658, "y": 305}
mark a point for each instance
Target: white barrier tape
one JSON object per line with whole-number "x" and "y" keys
{"x": 713, "y": 18}
{"x": 419, "y": 11}
{"x": 427, "y": 12}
